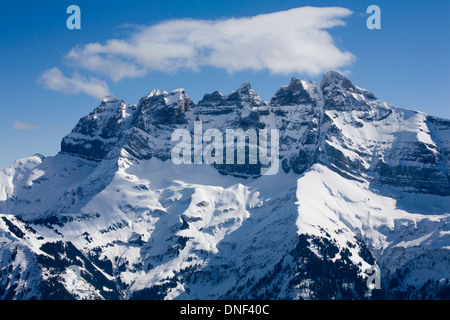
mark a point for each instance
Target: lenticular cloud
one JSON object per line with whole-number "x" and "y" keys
{"x": 282, "y": 42}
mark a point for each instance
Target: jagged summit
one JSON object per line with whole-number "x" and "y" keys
{"x": 292, "y": 94}
{"x": 333, "y": 81}
{"x": 156, "y": 92}
{"x": 333, "y": 77}
{"x": 157, "y": 96}
{"x": 307, "y": 126}
{"x": 245, "y": 88}
{"x": 242, "y": 96}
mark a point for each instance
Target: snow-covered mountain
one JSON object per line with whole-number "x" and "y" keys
{"x": 362, "y": 186}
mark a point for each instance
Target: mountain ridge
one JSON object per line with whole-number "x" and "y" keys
{"x": 361, "y": 184}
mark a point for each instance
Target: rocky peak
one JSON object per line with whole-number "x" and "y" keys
{"x": 334, "y": 83}
{"x": 245, "y": 88}
{"x": 96, "y": 134}
{"x": 211, "y": 99}
{"x": 108, "y": 105}
{"x": 333, "y": 79}
{"x": 160, "y": 98}
{"x": 292, "y": 94}
{"x": 242, "y": 96}
{"x": 161, "y": 107}
{"x": 245, "y": 95}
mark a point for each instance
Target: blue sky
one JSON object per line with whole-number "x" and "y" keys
{"x": 406, "y": 63}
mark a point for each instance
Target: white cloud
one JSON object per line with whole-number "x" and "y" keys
{"x": 293, "y": 41}
{"x": 25, "y": 125}
{"x": 54, "y": 79}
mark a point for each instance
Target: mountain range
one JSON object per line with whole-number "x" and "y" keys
{"x": 362, "y": 193}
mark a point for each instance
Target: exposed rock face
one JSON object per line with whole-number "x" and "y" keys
{"x": 317, "y": 123}
{"x": 361, "y": 184}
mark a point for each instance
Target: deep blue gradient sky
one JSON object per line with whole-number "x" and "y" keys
{"x": 406, "y": 63}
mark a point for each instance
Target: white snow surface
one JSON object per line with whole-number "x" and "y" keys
{"x": 152, "y": 199}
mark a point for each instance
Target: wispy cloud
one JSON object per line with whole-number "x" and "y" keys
{"x": 55, "y": 80}
{"x": 25, "y": 125}
{"x": 293, "y": 41}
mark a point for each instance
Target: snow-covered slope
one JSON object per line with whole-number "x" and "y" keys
{"x": 361, "y": 185}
